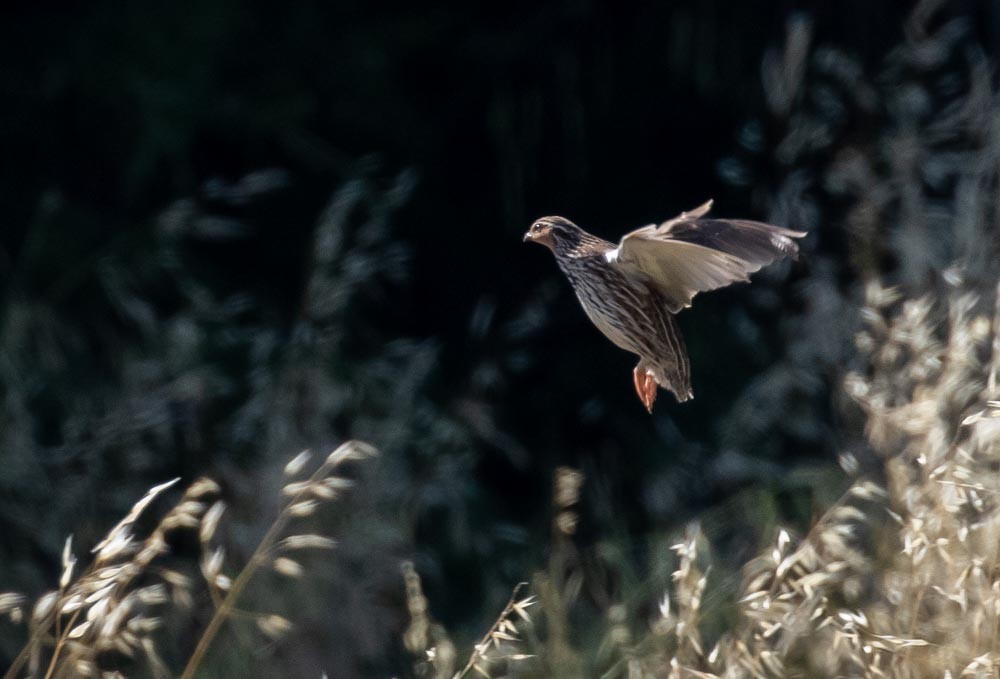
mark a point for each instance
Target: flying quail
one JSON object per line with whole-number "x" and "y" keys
{"x": 631, "y": 291}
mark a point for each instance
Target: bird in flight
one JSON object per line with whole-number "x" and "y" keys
{"x": 631, "y": 291}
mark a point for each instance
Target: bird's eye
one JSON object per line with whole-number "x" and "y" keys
{"x": 537, "y": 226}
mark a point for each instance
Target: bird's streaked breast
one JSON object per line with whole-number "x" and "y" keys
{"x": 612, "y": 302}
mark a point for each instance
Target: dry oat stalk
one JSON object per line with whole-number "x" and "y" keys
{"x": 502, "y": 634}
{"x": 423, "y": 637}
{"x": 304, "y": 497}
{"x": 103, "y": 610}
{"x": 115, "y": 606}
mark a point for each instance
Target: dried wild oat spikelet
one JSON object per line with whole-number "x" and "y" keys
{"x": 567, "y": 484}
{"x": 210, "y": 521}
{"x": 117, "y": 533}
{"x": 307, "y": 542}
{"x": 302, "y": 509}
{"x": 287, "y": 567}
{"x": 352, "y": 450}
{"x": 274, "y": 626}
{"x": 12, "y": 605}
{"x": 416, "y": 636}
{"x": 297, "y": 463}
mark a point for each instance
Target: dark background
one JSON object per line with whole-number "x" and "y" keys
{"x": 235, "y": 230}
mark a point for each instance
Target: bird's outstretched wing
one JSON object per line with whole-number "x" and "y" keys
{"x": 688, "y": 254}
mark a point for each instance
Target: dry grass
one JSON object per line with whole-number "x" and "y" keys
{"x": 435, "y": 653}
{"x": 918, "y": 595}
{"x": 900, "y": 578}
{"x": 106, "y": 620}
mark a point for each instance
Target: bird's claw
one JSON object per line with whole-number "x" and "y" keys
{"x": 645, "y": 386}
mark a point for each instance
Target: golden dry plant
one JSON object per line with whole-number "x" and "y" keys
{"x": 498, "y": 650}
{"x": 901, "y": 577}
{"x": 107, "y": 618}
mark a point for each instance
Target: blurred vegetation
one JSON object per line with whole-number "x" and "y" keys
{"x": 237, "y": 233}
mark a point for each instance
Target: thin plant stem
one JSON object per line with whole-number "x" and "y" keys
{"x": 19, "y": 660}
{"x": 486, "y": 638}
{"x": 228, "y": 605}
{"x": 60, "y": 643}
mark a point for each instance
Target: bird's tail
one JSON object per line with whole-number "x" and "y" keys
{"x": 670, "y": 372}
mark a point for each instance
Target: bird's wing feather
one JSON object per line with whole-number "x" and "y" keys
{"x": 688, "y": 255}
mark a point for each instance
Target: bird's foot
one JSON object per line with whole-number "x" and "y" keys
{"x": 645, "y": 386}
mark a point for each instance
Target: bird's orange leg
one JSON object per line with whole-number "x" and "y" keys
{"x": 645, "y": 386}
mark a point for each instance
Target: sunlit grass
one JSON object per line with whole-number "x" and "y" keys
{"x": 900, "y": 578}
{"x": 111, "y": 615}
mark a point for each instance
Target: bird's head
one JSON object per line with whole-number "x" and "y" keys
{"x": 553, "y": 232}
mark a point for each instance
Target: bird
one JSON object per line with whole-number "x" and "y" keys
{"x": 632, "y": 291}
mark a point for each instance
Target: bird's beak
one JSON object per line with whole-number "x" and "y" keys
{"x": 544, "y": 238}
